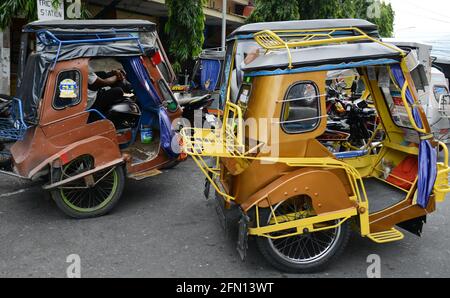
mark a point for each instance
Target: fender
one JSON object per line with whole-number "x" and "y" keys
{"x": 326, "y": 190}
{"x": 102, "y": 149}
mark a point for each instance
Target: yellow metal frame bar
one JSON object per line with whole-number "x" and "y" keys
{"x": 301, "y": 224}
{"x": 441, "y": 187}
{"x": 408, "y": 109}
{"x": 270, "y": 40}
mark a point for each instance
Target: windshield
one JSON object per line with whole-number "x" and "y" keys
{"x": 246, "y": 52}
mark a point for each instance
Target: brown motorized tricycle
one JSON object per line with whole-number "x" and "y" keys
{"x": 280, "y": 154}
{"x": 94, "y": 106}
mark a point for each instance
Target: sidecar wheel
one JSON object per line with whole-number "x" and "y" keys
{"x": 306, "y": 253}
{"x": 78, "y": 201}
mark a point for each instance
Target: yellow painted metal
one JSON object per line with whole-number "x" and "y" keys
{"x": 201, "y": 148}
{"x": 409, "y": 110}
{"x": 270, "y": 40}
{"x": 386, "y": 236}
{"x": 441, "y": 187}
{"x": 302, "y": 225}
{"x": 223, "y": 143}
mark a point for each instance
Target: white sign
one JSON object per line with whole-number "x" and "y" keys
{"x": 46, "y": 11}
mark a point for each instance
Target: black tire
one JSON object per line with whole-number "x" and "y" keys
{"x": 5, "y": 160}
{"x": 286, "y": 264}
{"x": 77, "y": 203}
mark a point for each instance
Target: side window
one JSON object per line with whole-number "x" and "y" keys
{"x": 68, "y": 90}
{"x": 301, "y": 108}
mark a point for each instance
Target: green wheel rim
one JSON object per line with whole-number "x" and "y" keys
{"x": 90, "y": 199}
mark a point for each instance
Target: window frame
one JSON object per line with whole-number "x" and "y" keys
{"x": 57, "y": 86}
{"x": 439, "y": 86}
{"x": 283, "y": 108}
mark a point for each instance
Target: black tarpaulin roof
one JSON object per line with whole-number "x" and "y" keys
{"x": 90, "y": 25}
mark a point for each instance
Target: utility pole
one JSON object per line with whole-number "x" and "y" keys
{"x": 224, "y": 23}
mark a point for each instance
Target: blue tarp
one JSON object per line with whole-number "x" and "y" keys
{"x": 210, "y": 73}
{"x": 427, "y": 154}
{"x": 153, "y": 113}
{"x": 326, "y": 67}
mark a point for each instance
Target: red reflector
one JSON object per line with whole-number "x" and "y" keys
{"x": 156, "y": 59}
{"x": 64, "y": 158}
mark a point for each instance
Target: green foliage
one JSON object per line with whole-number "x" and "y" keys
{"x": 27, "y": 9}
{"x": 185, "y": 28}
{"x": 326, "y": 9}
{"x": 12, "y": 8}
{"x": 376, "y": 11}
{"x": 274, "y": 10}
{"x": 385, "y": 20}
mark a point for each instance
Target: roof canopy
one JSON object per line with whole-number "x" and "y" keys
{"x": 331, "y": 54}
{"x": 91, "y": 25}
{"x": 368, "y": 27}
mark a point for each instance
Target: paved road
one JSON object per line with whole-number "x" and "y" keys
{"x": 163, "y": 227}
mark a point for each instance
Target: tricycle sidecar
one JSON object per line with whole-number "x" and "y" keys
{"x": 279, "y": 160}
{"x": 55, "y": 131}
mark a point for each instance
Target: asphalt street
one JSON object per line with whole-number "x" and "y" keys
{"x": 163, "y": 227}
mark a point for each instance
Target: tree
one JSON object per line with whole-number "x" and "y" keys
{"x": 383, "y": 16}
{"x": 185, "y": 28}
{"x": 274, "y": 10}
{"x": 12, "y": 8}
{"x": 376, "y": 11}
{"x": 26, "y": 8}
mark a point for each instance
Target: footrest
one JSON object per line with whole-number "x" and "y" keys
{"x": 142, "y": 175}
{"x": 386, "y": 236}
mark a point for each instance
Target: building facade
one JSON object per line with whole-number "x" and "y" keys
{"x": 156, "y": 11}
{"x": 152, "y": 10}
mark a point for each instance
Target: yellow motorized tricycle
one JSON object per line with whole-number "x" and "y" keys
{"x": 271, "y": 155}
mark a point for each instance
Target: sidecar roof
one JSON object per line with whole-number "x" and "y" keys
{"x": 91, "y": 25}
{"x": 327, "y": 57}
{"x": 366, "y": 26}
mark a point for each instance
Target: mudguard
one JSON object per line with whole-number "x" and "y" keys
{"x": 102, "y": 149}
{"x": 326, "y": 190}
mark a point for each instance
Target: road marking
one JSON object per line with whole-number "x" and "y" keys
{"x": 14, "y": 193}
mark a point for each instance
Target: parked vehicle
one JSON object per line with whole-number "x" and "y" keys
{"x": 201, "y": 89}
{"x": 83, "y": 153}
{"x": 297, "y": 198}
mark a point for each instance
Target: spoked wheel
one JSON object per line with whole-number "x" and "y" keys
{"x": 309, "y": 252}
{"x": 91, "y": 196}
